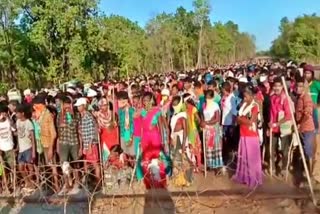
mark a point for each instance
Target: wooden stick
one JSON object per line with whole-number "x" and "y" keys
{"x": 270, "y": 153}
{"x": 14, "y": 174}
{"x": 113, "y": 105}
{"x": 204, "y": 153}
{"x": 101, "y": 163}
{"x": 135, "y": 167}
{"x": 299, "y": 144}
{"x": 4, "y": 174}
{"x": 289, "y": 159}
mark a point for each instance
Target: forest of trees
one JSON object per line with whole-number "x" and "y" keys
{"x": 299, "y": 39}
{"x": 54, "y": 41}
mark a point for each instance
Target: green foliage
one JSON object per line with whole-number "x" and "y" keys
{"x": 54, "y": 41}
{"x": 299, "y": 40}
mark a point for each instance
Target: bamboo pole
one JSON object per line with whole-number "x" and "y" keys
{"x": 101, "y": 163}
{"x": 135, "y": 166}
{"x": 204, "y": 152}
{"x": 270, "y": 153}
{"x": 14, "y": 174}
{"x": 300, "y": 144}
{"x": 289, "y": 157}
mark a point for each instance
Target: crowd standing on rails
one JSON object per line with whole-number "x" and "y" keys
{"x": 163, "y": 129}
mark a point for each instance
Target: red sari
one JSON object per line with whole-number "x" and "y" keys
{"x": 109, "y": 134}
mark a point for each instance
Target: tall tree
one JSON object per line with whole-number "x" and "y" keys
{"x": 299, "y": 40}
{"x": 202, "y": 10}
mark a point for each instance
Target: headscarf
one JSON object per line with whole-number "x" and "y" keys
{"x": 178, "y": 108}
{"x": 39, "y": 108}
{"x": 104, "y": 118}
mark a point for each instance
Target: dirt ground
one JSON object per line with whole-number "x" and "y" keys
{"x": 214, "y": 194}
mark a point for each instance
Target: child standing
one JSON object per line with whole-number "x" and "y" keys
{"x": 26, "y": 144}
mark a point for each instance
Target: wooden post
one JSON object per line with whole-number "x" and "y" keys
{"x": 204, "y": 152}
{"x": 300, "y": 144}
{"x": 270, "y": 153}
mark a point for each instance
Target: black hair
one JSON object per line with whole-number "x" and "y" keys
{"x": 116, "y": 148}
{"x": 40, "y": 98}
{"x": 249, "y": 89}
{"x": 50, "y": 99}
{"x": 176, "y": 98}
{"x": 148, "y": 94}
{"x": 26, "y": 109}
{"x": 4, "y": 108}
{"x": 134, "y": 86}
{"x": 190, "y": 100}
{"x": 21, "y": 108}
{"x": 300, "y": 79}
{"x": 175, "y": 86}
{"x": 197, "y": 84}
{"x": 226, "y": 86}
{"x": 302, "y": 64}
{"x": 14, "y": 102}
{"x": 212, "y": 83}
{"x": 123, "y": 95}
{"x": 188, "y": 80}
{"x": 136, "y": 95}
{"x": 209, "y": 93}
{"x": 277, "y": 80}
{"x": 66, "y": 99}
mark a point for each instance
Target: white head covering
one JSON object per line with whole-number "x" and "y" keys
{"x": 263, "y": 78}
{"x": 71, "y": 91}
{"x": 81, "y": 101}
{"x": 91, "y": 93}
{"x": 243, "y": 79}
{"x": 52, "y": 93}
{"x": 165, "y": 92}
{"x": 27, "y": 92}
{"x": 230, "y": 74}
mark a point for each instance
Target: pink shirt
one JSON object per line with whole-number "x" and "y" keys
{"x": 279, "y": 103}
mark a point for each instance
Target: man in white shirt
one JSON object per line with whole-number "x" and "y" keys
{"x": 229, "y": 114}
{"x": 6, "y": 141}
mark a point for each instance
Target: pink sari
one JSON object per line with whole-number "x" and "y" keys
{"x": 153, "y": 169}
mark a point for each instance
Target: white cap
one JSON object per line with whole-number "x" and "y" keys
{"x": 71, "y": 91}
{"x": 142, "y": 82}
{"x": 91, "y": 93}
{"x": 165, "y": 92}
{"x": 52, "y": 93}
{"x": 263, "y": 78}
{"x": 70, "y": 84}
{"x": 87, "y": 85}
{"x": 27, "y": 92}
{"x": 243, "y": 79}
{"x": 81, "y": 101}
{"x": 230, "y": 74}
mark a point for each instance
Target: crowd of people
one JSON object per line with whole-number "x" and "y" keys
{"x": 163, "y": 128}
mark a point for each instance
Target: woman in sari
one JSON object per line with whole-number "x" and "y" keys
{"x": 153, "y": 160}
{"x": 109, "y": 136}
{"x": 137, "y": 131}
{"x": 249, "y": 169}
{"x": 126, "y": 113}
{"x": 193, "y": 139}
{"x": 212, "y": 132}
{"x": 182, "y": 171}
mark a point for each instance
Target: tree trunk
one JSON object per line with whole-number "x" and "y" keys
{"x": 184, "y": 59}
{"x": 199, "y": 62}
